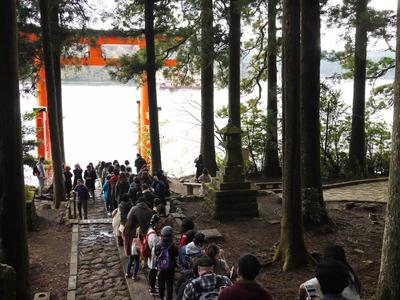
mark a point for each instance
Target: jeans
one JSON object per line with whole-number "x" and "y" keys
{"x": 41, "y": 185}
{"x": 133, "y": 259}
{"x": 84, "y": 204}
{"x": 166, "y": 278}
{"x": 152, "y": 278}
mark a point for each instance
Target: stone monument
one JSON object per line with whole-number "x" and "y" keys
{"x": 229, "y": 195}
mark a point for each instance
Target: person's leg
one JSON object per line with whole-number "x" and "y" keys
{"x": 152, "y": 278}
{"x": 161, "y": 284}
{"x": 170, "y": 283}
{"x": 129, "y": 266}
{"x": 92, "y": 194}
{"x": 41, "y": 186}
{"x": 80, "y": 209}
{"x": 136, "y": 267}
{"x": 85, "y": 208}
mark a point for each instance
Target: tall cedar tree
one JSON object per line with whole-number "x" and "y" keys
{"x": 234, "y": 62}
{"x": 151, "y": 83}
{"x": 13, "y": 242}
{"x": 55, "y": 32}
{"x": 314, "y": 212}
{"x": 357, "y": 153}
{"x": 389, "y": 276}
{"x": 271, "y": 165}
{"x": 291, "y": 251}
{"x": 58, "y": 180}
{"x": 207, "y": 145}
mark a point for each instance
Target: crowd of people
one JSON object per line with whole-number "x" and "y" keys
{"x": 190, "y": 265}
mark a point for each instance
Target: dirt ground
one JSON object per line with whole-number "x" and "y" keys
{"x": 359, "y": 231}
{"x": 49, "y": 255}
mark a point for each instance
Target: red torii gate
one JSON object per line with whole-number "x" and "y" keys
{"x": 95, "y": 58}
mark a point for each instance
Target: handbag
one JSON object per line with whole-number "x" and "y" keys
{"x": 135, "y": 246}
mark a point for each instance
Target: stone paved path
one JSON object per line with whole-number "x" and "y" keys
{"x": 366, "y": 192}
{"x": 100, "y": 275}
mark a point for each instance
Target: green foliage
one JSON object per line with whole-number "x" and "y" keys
{"x": 311, "y": 206}
{"x": 131, "y": 67}
{"x": 28, "y": 142}
{"x": 380, "y": 25}
{"x": 72, "y": 14}
{"x": 335, "y": 121}
{"x": 335, "y": 127}
{"x": 378, "y": 140}
{"x": 383, "y": 96}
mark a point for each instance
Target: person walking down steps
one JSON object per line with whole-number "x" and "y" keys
{"x": 90, "y": 179}
{"x": 83, "y": 197}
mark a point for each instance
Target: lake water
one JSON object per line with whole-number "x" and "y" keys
{"x": 100, "y": 123}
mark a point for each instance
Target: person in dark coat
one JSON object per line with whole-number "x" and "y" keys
{"x": 134, "y": 188}
{"x": 159, "y": 189}
{"x": 77, "y": 174}
{"x": 166, "y": 277}
{"x": 83, "y": 195}
{"x": 90, "y": 177}
{"x": 113, "y": 183}
{"x": 68, "y": 181}
{"x": 139, "y": 163}
{"x": 148, "y": 196}
{"x": 121, "y": 188}
{"x": 124, "y": 207}
{"x": 160, "y": 175}
{"x": 143, "y": 214}
{"x": 199, "y": 166}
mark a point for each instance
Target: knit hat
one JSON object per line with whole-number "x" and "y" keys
{"x": 166, "y": 231}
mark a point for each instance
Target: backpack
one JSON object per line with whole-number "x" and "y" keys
{"x": 35, "y": 171}
{"x": 184, "y": 260}
{"x": 211, "y": 295}
{"x": 145, "y": 248}
{"x": 164, "y": 260}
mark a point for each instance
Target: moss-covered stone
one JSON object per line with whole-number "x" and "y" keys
{"x": 30, "y": 208}
{"x": 235, "y": 203}
{"x": 7, "y": 282}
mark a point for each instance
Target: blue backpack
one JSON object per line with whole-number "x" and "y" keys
{"x": 164, "y": 260}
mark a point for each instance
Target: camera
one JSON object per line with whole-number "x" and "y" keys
{"x": 311, "y": 292}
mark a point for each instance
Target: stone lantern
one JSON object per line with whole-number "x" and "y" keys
{"x": 229, "y": 194}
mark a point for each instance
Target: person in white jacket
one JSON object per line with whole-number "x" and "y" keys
{"x": 351, "y": 291}
{"x": 152, "y": 239}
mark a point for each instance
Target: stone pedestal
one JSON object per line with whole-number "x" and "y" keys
{"x": 229, "y": 195}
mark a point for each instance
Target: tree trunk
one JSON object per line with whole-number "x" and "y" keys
{"x": 357, "y": 159}
{"x": 152, "y": 89}
{"x": 13, "y": 243}
{"x": 56, "y": 32}
{"x": 58, "y": 180}
{"x": 207, "y": 87}
{"x": 314, "y": 212}
{"x": 271, "y": 164}
{"x": 291, "y": 251}
{"x": 234, "y": 63}
{"x": 389, "y": 276}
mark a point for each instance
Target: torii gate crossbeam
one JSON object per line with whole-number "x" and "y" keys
{"x": 95, "y": 58}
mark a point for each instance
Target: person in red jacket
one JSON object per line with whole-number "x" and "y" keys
{"x": 246, "y": 288}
